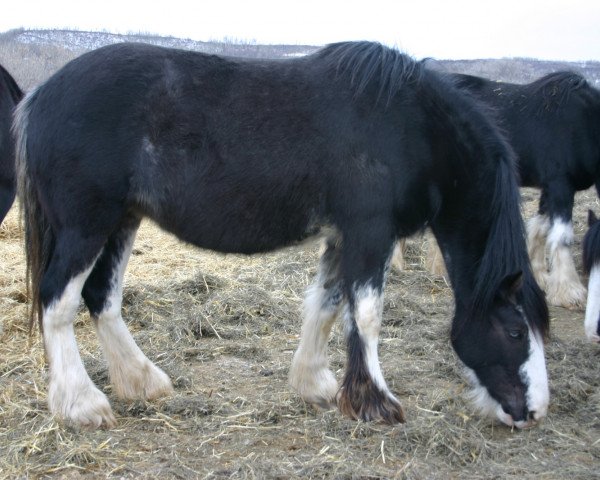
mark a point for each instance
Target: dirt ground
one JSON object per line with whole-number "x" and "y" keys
{"x": 225, "y": 328}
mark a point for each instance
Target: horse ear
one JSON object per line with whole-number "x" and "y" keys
{"x": 510, "y": 285}
{"x": 592, "y": 218}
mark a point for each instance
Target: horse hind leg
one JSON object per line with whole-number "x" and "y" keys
{"x": 563, "y": 286}
{"x": 435, "y": 260}
{"x": 309, "y": 373}
{"x": 132, "y": 374}
{"x": 72, "y": 396}
{"x": 398, "y": 261}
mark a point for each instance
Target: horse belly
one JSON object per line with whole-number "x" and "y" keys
{"x": 241, "y": 216}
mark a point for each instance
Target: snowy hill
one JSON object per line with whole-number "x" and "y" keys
{"x": 33, "y": 55}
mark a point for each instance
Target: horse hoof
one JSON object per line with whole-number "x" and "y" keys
{"x": 376, "y": 407}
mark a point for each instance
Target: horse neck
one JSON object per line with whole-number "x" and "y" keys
{"x": 462, "y": 247}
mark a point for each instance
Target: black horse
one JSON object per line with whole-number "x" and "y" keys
{"x": 10, "y": 95}
{"x": 591, "y": 264}
{"x": 553, "y": 124}
{"x": 247, "y": 156}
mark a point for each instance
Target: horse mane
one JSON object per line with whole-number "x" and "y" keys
{"x": 505, "y": 252}
{"x": 371, "y": 65}
{"x": 591, "y": 247}
{"x": 15, "y": 92}
{"x": 554, "y": 90}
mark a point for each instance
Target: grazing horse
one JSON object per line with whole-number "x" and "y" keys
{"x": 247, "y": 156}
{"x": 591, "y": 264}
{"x": 10, "y": 95}
{"x": 553, "y": 124}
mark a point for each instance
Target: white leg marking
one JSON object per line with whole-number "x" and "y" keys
{"x": 132, "y": 374}
{"x": 534, "y": 376}
{"x": 563, "y": 286}
{"x": 537, "y": 230}
{"x": 398, "y": 255}
{"x": 592, "y": 309}
{"x": 368, "y": 313}
{"x": 71, "y": 393}
{"x": 309, "y": 374}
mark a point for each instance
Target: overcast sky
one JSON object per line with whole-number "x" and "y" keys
{"x": 545, "y": 29}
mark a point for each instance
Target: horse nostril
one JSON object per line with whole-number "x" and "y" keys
{"x": 531, "y": 415}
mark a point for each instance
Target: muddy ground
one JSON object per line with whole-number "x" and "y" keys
{"x": 225, "y": 328}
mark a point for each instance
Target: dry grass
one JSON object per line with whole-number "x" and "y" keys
{"x": 225, "y": 328}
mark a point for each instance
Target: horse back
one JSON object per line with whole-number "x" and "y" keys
{"x": 210, "y": 146}
{"x": 552, "y": 123}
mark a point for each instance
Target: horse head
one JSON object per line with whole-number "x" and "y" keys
{"x": 504, "y": 359}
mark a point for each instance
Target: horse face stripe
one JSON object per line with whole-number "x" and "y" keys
{"x": 592, "y": 310}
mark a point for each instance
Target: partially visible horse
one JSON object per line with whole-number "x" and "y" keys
{"x": 10, "y": 95}
{"x": 591, "y": 264}
{"x": 246, "y": 156}
{"x": 553, "y": 124}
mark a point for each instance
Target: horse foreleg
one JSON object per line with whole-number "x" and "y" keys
{"x": 364, "y": 393}
{"x": 309, "y": 374}
{"x": 563, "y": 287}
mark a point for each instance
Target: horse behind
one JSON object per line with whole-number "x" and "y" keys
{"x": 247, "y": 156}
{"x": 10, "y": 95}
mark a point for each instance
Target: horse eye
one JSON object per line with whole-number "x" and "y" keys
{"x": 516, "y": 334}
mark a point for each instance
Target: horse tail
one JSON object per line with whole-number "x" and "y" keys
{"x": 39, "y": 239}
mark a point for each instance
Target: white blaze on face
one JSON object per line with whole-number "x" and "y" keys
{"x": 592, "y": 309}
{"x": 534, "y": 377}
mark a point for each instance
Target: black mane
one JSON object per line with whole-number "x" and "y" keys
{"x": 555, "y": 89}
{"x": 504, "y": 254}
{"x": 371, "y": 65}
